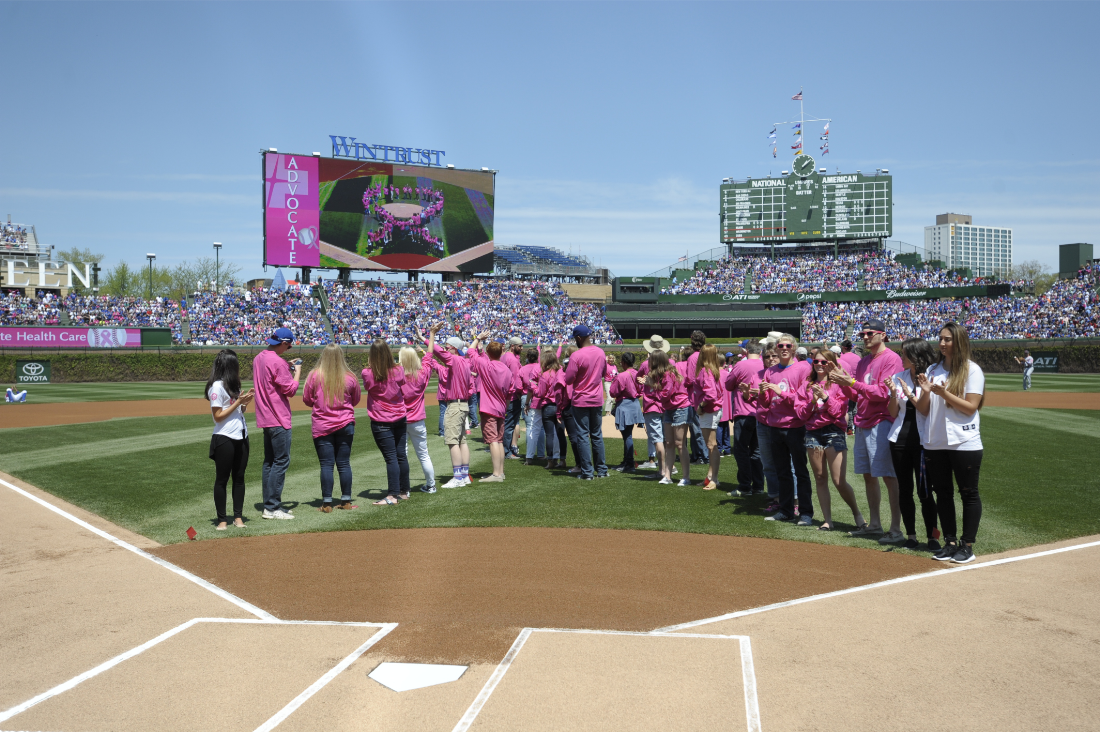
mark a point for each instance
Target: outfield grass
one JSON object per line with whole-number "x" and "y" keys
{"x": 1082, "y": 383}
{"x": 1040, "y": 483}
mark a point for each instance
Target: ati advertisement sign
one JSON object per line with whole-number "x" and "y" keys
{"x": 846, "y": 296}
{"x": 32, "y": 372}
{"x": 71, "y": 337}
{"x": 292, "y": 211}
{"x": 1046, "y": 362}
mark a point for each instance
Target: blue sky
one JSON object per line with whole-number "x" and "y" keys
{"x": 135, "y": 127}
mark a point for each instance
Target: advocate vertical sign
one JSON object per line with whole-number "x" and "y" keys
{"x": 292, "y": 216}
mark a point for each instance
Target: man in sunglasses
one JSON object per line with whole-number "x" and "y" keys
{"x": 871, "y": 453}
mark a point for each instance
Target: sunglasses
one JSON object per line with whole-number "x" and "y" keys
{"x": 870, "y": 333}
{"x": 820, "y": 361}
{"x": 784, "y": 346}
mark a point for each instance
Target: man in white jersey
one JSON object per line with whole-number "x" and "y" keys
{"x": 1029, "y": 368}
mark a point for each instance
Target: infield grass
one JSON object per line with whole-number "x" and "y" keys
{"x": 1040, "y": 483}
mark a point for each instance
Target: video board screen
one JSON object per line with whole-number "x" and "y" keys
{"x": 810, "y": 207}
{"x": 380, "y": 216}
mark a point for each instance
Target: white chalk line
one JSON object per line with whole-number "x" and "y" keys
{"x": 872, "y": 586}
{"x": 324, "y": 680}
{"x": 247, "y": 606}
{"x": 384, "y": 629}
{"x": 748, "y": 673}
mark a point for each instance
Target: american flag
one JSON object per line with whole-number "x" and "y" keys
{"x": 798, "y": 97}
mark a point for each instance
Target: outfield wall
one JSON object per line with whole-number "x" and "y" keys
{"x": 194, "y": 364}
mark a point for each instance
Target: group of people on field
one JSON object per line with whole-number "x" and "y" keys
{"x": 916, "y": 420}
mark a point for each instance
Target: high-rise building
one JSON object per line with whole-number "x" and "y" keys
{"x": 957, "y": 242}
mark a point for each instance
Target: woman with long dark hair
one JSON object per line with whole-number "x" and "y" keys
{"x": 627, "y": 409}
{"x": 333, "y": 391}
{"x": 229, "y": 443}
{"x": 952, "y": 394}
{"x": 667, "y": 382}
{"x": 384, "y": 382}
{"x": 906, "y": 450}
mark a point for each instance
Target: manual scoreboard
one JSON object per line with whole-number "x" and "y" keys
{"x": 807, "y": 205}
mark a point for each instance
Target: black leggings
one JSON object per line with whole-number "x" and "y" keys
{"x": 909, "y": 462}
{"x": 230, "y": 458}
{"x": 964, "y": 465}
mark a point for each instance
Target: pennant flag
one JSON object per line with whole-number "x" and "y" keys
{"x": 825, "y": 152}
{"x": 797, "y": 147}
{"x": 798, "y": 132}
{"x": 826, "y": 128}
{"x": 797, "y": 126}
{"x": 797, "y": 97}
{"x": 775, "y": 128}
{"x": 773, "y": 152}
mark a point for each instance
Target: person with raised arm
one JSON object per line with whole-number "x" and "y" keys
{"x": 511, "y": 359}
{"x": 459, "y": 388}
{"x": 585, "y": 373}
{"x": 384, "y": 383}
{"x": 496, "y": 386}
{"x": 273, "y": 384}
{"x": 873, "y": 423}
{"x": 417, "y": 374}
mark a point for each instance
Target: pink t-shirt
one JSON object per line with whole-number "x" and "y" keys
{"x": 585, "y": 374}
{"x": 414, "y": 391}
{"x": 727, "y": 398}
{"x": 385, "y": 399}
{"x": 849, "y": 361}
{"x": 708, "y": 391}
{"x": 833, "y": 412}
{"x": 511, "y": 360}
{"x": 546, "y": 391}
{"x": 625, "y": 385}
{"x": 274, "y": 382}
{"x": 459, "y": 379}
{"x": 651, "y": 398}
{"x": 750, "y": 371}
{"x": 527, "y": 373}
{"x": 778, "y": 410}
{"x": 673, "y": 393}
{"x": 329, "y": 418}
{"x": 496, "y": 384}
{"x": 872, "y": 397}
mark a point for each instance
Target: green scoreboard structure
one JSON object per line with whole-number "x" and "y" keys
{"x": 807, "y": 205}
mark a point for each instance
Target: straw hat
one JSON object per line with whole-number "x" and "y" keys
{"x": 657, "y": 343}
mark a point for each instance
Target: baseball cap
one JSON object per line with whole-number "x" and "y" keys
{"x": 281, "y": 335}
{"x": 456, "y": 343}
{"x": 834, "y": 349}
{"x": 874, "y": 324}
{"x": 801, "y": 351}
{"x": 729, "y": 354}
{"x": 515, "y": 341}
{"x": 582, "y": 331}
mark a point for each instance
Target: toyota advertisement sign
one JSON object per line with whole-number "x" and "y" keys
{"x": 32, "y": 372}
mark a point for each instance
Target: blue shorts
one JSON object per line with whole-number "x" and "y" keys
{"x": 676, "y": 417}
{"x": 872, "y": 451}
{"x": 654, "y": 426}
{"x": 829, "y": 436}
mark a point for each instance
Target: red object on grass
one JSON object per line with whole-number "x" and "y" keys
{"x": 191, "y": 533}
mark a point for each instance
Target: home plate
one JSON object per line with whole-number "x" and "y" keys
{"x": 409, "y": 676}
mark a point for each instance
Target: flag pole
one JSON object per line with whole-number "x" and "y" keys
{"x": 801, "y": 122}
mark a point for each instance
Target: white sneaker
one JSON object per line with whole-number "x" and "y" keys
{"x": 683, "y": 483}
{"x": 279, "y": 514}
{"x": 467, "y": 481}
{"x": 648, "y": 465}
{"x": 675, "y": 470}
{"x": 427, "y": 489}
{"x": 664, "y": 481}
{"x": 454, "y": 483}
{"x": 267, "y": 514}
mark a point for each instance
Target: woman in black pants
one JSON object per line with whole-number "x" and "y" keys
{"x": 229, "y": 443}
{"x": 917, "y": 356}
{"x": 952, "y": 392}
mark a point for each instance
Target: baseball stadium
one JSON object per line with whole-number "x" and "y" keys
{"x": 382, "y": 463}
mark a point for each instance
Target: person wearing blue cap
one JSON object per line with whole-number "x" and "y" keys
{"x": 273, "y": 384}
{"x": 585, "y": 373}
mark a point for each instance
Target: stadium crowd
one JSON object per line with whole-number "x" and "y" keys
{"x": 18, "y": 309}
{"x": 245, "y": 318}
{"x": 13, "y": 237}
{"x": 846, "y": 272}
{"x": 136, "y": 312}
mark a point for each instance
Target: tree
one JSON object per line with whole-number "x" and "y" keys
{"x": 1037, "y": 272}
{"x": 121, "y": 281}
{"x": 78, "y": 258}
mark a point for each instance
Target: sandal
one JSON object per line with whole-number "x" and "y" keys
{"x": 825, "y": 527}
{"x": 347, "y": 506}
{"x": 387, "y": 501}
{"x": 710, "y": 485}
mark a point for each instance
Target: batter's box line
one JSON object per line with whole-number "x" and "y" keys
{"x": 748, "y": 672}
{"x": 384, "y": 629}
{"x": 872, "y": 586}
{"x": 244, "y": 605}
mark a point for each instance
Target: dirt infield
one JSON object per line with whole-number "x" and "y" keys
{"x": 1042, "y": 399}
{"x": 461, "y": 595}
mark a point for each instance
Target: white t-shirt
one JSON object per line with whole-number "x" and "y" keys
{"x": 922, "y": 421}
{"x": 948, "y": 428}
{"x": 232, "y": 426}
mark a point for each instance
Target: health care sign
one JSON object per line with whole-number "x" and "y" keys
{"x": 292, "y": 215}
{"x": 71, "y": 337}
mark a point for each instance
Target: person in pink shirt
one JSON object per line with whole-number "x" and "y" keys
{"x": 333, "y": 391}
{"x": 848, "y": 361}
{"x": 274, "y": 384}
{"x": 384, "y": 382}
{"x": 585, "y": 373}
{"x": 511, "y": 359}
{"x": 496, "y": 380}
{"x": 417, "y": 375}
{"x": 873, "y": 422}
{"x": 741, "y": 381}
{"x": 548, "y": 393}
{"x": 725, "y": 445}
{"x": 708, "y": 407}
{"x": 459, "y": 388}
{"x": 652, "y": 410}
{"x": 823, "y": 407}
{"x": 526, "y": 382}
{"x": 783, "y": 437}
{"x": 627, "y": 410}
{"x": 665, "y": 380}
{"x": 609, "y": 375}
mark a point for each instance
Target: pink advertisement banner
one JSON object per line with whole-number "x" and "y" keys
{"x": 71, "y": 337}
{"x": 292, "y": 211}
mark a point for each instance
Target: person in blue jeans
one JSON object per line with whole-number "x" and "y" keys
{"x": 585, "y": 372}
{"x": 333, "y": 392}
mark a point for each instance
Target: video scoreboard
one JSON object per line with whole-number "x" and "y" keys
{"x": 807, "y": 205}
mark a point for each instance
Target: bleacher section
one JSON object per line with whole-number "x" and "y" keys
{"x": 545, "y": 262}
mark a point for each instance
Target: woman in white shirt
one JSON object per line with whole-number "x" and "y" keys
{"x": 906, "y": 442}
{"x": 229, "y": 443}
{"x": 952, "y": 392}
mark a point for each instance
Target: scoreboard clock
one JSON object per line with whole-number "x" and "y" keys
{"x": 807, "y": 205}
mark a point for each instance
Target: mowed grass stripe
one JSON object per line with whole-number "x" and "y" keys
{"x": 1081, "y": 422}
{"x": 1083, "y": 383}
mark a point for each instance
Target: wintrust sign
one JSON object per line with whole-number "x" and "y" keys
{"x": 292, "y": 215}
